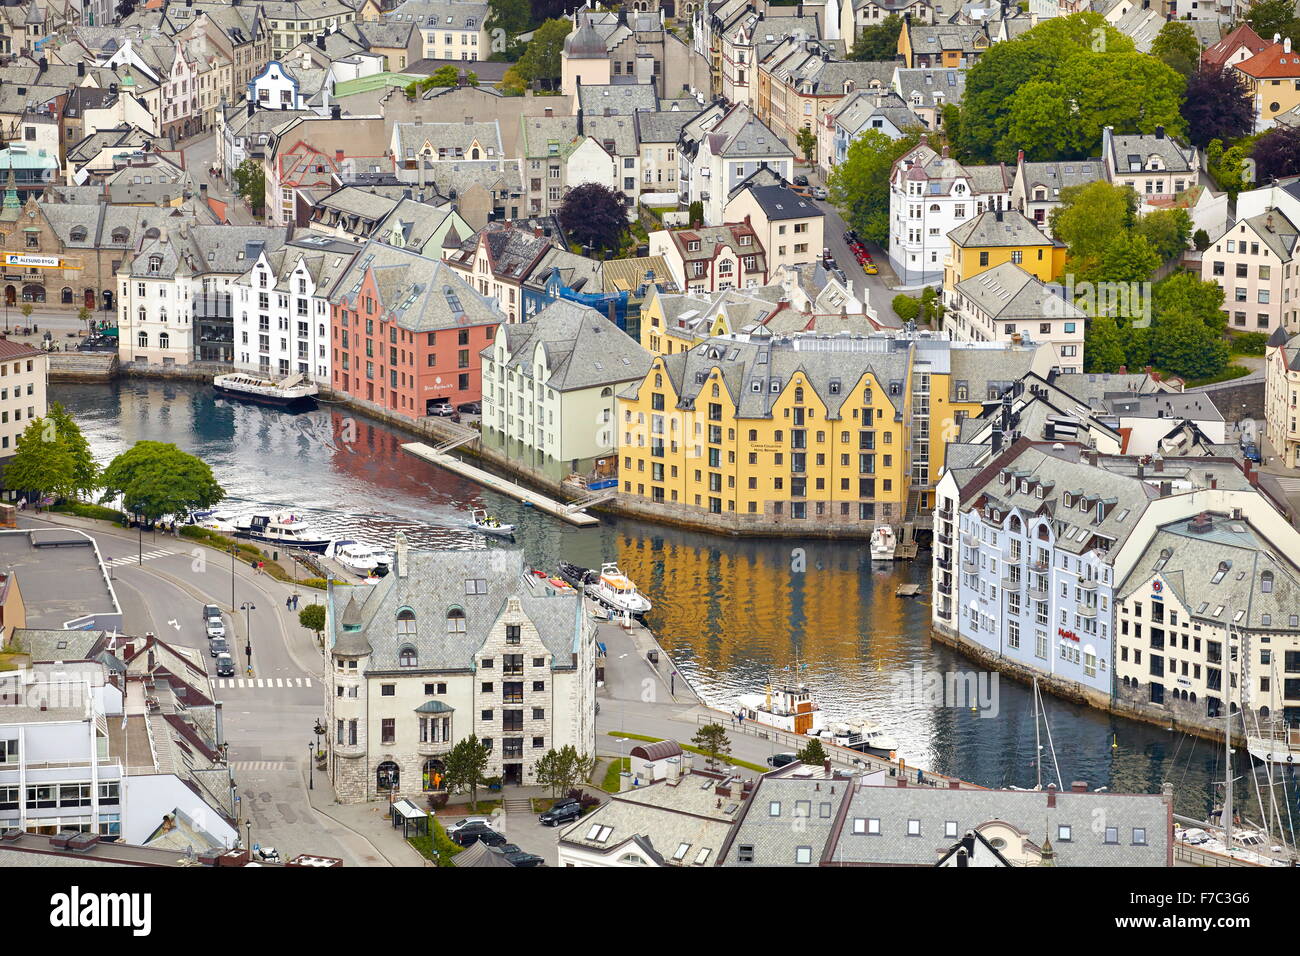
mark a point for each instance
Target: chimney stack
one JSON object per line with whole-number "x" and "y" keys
{"x": 674, "y": 770}
{"x": 737, "y": 788}
{"x": 1051, "y": 796}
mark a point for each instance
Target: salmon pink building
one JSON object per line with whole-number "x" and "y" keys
{"x": 406, "y": 332}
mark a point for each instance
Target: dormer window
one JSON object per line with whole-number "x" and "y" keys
{"x": 406, "y": 657}
{"x": 406, "y": 622}
{"x": 456, "y": 621}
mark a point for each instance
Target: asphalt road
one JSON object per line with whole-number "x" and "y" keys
{"x": 269, "y": 720}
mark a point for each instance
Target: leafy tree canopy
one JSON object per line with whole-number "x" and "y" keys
{"x": 859, "y": 186}
{"x": 878, "y": 42}
{"x": 157, "y": 478}
{"x": 595, "y": 215}
{"x": 1176, "y": 47}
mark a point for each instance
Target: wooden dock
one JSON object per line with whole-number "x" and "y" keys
{"x": 498, "y": 484}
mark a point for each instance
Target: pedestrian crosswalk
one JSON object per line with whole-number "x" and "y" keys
{"x": 247, "y": 766}
{"x": 136, "y": 558}
{"x": 260, "y": 683}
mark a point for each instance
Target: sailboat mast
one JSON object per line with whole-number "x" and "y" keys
{"x": 1227, "y": 780}
{"x": 1038, "y": 742}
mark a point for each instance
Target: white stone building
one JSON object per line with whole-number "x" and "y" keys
{"x": 931, "y": 194}
{"x": 450, "y": 644}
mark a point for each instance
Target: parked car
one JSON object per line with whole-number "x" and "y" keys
{"x": 521, "y": 857}
{"x": 476, "y": 833}
{"x": 443, "y": 409}
{"x": 819, "y": 192}
{"x": 225, "y": 665}
{"x": 869, "y": 268}
{"x": 211, "y": 611}
{"x": 468, "y": 822}
{"x": 470, "y": 408}
{"x": 215, "y": 627}
{"x": 780, "y": 760}
{"x": 1251, "y": 451}
{"x": 562, "y": 811}
{"x": 218, "y": 646}
{"x": 801, "y": 180}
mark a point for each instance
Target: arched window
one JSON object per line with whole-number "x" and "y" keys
{"x": 406, "y": 656}
{"x": 1014, "y": 525}
{"x": 164, "y": 340}
{"x": 406, "y": 622}
{"x": 606, "y": 393}
{"x": 455, "y": 621}
{"x": 659, "y": 381}
{"x": 798, "y": 395}
{"x": 716, "y": 393}
{"x": 1266, "y": 582}
{"x": 67, "y": 296}
{"x": 142, "y": 340}
{"x": 753, "y": 434}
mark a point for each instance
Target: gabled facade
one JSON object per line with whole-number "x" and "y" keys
{"x": 714, "y": 258}
{"x": 1155, "y": 166}
{"x": 1282, "y": 395}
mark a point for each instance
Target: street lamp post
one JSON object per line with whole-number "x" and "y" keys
{"x": 311, "y": 757}
{"x": 248, "y": 607}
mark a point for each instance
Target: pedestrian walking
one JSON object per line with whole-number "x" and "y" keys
{"x": 288, "y": 604}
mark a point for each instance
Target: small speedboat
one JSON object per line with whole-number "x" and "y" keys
{"x": 480, "y": 520}
{"x": 365, "y": 560}
{"x": 576, "y": 575}
{"x": 883, "y": 543}
{"x": 861, "y": 735}
{"x": 282, "y": 528}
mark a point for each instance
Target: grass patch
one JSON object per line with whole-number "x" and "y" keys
{"x": 616, "y": 767}
{"x": 12, "y": 660}
{"x": 83, "y": 510}
{"x": 436, "y": 845}
{"x": 482, "y": 807}
{"x": 695, "y": 750}
{"x": 1227, "y": 375}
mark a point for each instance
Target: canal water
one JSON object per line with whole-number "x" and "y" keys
{"x": 730, "y": 612}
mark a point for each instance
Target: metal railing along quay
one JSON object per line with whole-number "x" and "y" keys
{"x": 851, "y": 759}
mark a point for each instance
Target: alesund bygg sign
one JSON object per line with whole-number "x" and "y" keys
{"x": 33, "y": 262}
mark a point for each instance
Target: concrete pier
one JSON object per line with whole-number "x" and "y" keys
{"x": 495, "y": 483}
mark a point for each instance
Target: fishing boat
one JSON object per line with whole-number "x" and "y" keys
{"x": 788, "y": 707}
{"x": 365, "y": 560}
{"x": 861, "y": 735}
{"x": 883, "y": 543}
{"x": 480, "y": 520}
{"x": 293, "y": 390}
{"x": 221, "y": 521}
{"x": 282, "y": 528}
{"x": 615, "y": 590}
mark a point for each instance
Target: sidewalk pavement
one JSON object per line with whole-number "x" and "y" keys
{"x": 369, "y": 821}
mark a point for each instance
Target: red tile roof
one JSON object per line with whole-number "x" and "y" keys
{"x": 1276, "y": 62}
{"x": 1218, "y": 54}
{"x": 15, "y": 350}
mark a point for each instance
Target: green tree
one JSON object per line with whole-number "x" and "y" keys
{"x": 1167, "y": 230}
{"x": 312, "y": 617}
{"x": 157, "y": 478}
{"x": 806, "y": 140}
{"x": 906, "y": 307}
{"x": 1089, "y": 219}
{"x": 931, "y": 307}
{"x": 879, "y": 42}
{"x": 564, "y": 769}
{"x": 1176, "y": 47}
{"x": 1269, "y": 17}
{"x": 512, "y": 16}
{"x": 250, "y": 183}
{"x": 465, "y": 767}
{"x": 85, "y": 473}
{"x": 1128, "y": 258}
{"x": 26, "y": 310}
{"x": 695, "y": 214}
{"x": 1183, "y": 345}
{"x": 713, "y": 742}
{"x": 40, "y": 463}
{"x": 859, "y": 186}
{"x": 813, "y": 754}
{"x": 1103, "y": 349}
{"x": 540, "y": 63}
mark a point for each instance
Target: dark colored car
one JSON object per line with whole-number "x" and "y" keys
{"x": 218, "y": 646}
{"x": 780, "y": 760}
{"x": 225, "y": 665}
{"x": 563, "y": 811}
{"x": 211, "y": 612}
{"x": 801, "y": 180}
{"x": 520, "y": 857}
{"x": 476, "y": 832}
{"x": 470, "y": 408}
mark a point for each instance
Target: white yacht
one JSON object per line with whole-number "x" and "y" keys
{"x": 861, "y": 735}
{"x": 883, "y": 543}
{"x": 283, "y": 528}
{"x": 614, "y": 589}
{"x": 219, "y": 521}
{"x": 787, "y": 707}
{"x": 361, "y": 558}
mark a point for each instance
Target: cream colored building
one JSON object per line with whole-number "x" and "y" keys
{"x": 450, "y": 644}
{"x": 1282, "y": 396}
{"x": 789, "y": 227}
{"x": 23, "y": 374}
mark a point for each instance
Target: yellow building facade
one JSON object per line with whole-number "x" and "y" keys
{"x": 767, "y": 434}
{"x": 999, "y": 236}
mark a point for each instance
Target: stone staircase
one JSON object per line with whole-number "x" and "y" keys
{"x": 517, "y": 805}
{"x": 82, "y": 366}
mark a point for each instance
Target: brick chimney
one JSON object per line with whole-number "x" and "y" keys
{"x": 1078, "y": 786}
{"x": 1051, "y": 796}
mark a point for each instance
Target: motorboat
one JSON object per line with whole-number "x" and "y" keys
{"x": 220, "y": 521}
{"x": 293, "y": 390}
{"x": 883, "y": 543}
{"x": 365, "y": 560}
{"x": 576, "y": 575}
{"x": 283, "y": 528}
{"x": 480, "y": 520}
{"x": 615, "y": 590}
{"x": 861, "y": 735}
{"x": 787, "y": 706}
